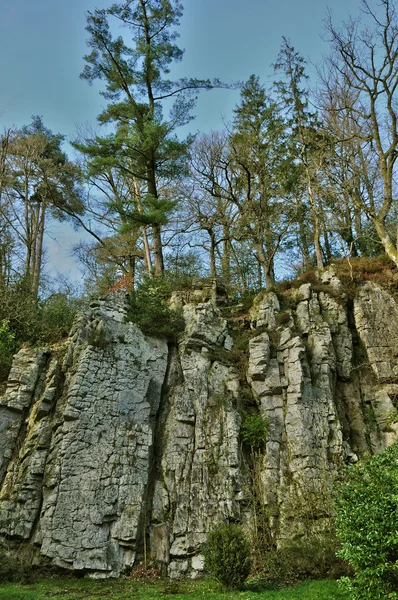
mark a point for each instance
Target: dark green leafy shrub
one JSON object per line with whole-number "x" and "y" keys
{"x": 228, "y": 555}
{"x": 254, "y": 431}
{"x": 147, "y": 307}
{"x": 367, "y": 525}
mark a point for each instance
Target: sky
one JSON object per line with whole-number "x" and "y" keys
{"x": 42, "y": 44}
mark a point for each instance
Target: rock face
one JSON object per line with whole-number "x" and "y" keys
{"x": 116, "y": 446}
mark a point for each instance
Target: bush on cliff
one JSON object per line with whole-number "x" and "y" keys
{"x": 367, "y": 525}
{"x": 147, "y": 307}
{"x": 7, "y": 348}
{"x": 228, "y": 555}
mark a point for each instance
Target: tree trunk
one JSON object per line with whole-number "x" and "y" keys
{"x": 156, "y": 227}
{"x": 388, "y": 244}
{"x": 147, "y": 252}
{"x": 266, "y": 267}
{"x": 38, "y": 248}
{"x": 315, "y": 221}
{"x": 131, "y": 273}
{"x": 259, "y": 276}
{"x": 213, "y": 269}
{"x": 36, "y": 271}
{"x": 158, "y": 250}
{"x": 226, "y": 259}
{"x": 305, "y": 251}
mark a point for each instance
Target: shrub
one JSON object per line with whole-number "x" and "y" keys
{"x": 227, "y": 555}
{"x": 147, "y": 307}
{"x": 254, "y": 431}
{"x": 283, "y": 317}
{"x": 7, "y": 348}
{"x": 306, "y": 558}
{"x": 15, "y": 562}
{"x": 57, "y": 313}
{"x": 367, "y": 525}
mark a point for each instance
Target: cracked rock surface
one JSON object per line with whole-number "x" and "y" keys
{"x": 116, "y": 445}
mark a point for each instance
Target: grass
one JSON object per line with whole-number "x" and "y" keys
{"x": 85, "y": 589}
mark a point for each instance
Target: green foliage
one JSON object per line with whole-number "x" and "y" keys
{"x": 283, "y": 317}
{"x": 392, "y": 418}
{"x": 147, "y": 307}
{"x": 227, "y": 555}
{"x": 57, "y": 313}
{"x": 7, "y": 348}
{"x": 367, "y": 525}
{"x": 19, "y": 307}
{"x": 306, "y": 558}
{"x": 143, "y": 146}
{"x": 254, "y": 431}
{"x": 25, "y": 320}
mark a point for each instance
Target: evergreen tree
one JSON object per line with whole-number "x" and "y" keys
{"x": 306, "y": 143}
{"x": 143, "y": 145}
{"x": 38, "y": 180}
{"x": 259, "y": 159}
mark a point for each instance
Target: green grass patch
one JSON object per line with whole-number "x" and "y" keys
{"x": 122, "y": 589}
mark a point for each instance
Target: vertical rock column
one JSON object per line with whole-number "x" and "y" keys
{"x": 98, "y": 467}
{"x": 292, "y": 371}
{"x": 201, "y": 477}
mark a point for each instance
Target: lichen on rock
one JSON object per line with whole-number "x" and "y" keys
{"x": 117, "y": 446}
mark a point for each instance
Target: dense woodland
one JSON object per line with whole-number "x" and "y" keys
{"x": 301, "y": 176}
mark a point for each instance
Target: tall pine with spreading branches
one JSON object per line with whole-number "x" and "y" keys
{"x": 143, "y": 144}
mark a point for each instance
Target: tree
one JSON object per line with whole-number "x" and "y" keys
{"x": 351, "y": 176}
{"x": 123, "y": 241}
{"x": 143, "y": 145}
{"x": 259, "y": 163}
{"x": 365, "y": 62}
{"x": 307, "y": 145}
{"x": 208, "y": 207}
{"x": 37, "y": 180}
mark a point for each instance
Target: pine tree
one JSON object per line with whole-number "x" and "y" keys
{"x": 143, "y": 145}
{"x": 258, "y": 153}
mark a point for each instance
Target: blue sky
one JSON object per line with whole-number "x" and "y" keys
{"x": 42, "y": 44}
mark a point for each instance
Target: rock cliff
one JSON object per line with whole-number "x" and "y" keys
{"x": 115, "y": 445}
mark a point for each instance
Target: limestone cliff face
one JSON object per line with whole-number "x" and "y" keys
{"x": 116, "y": 445}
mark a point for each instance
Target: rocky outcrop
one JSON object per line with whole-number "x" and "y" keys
{"x": 116, "y": 446}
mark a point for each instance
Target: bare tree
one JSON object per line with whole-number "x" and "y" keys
{"x": 363, "y": 70}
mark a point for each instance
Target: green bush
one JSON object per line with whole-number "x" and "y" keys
{"x": 7, "y": 348}
{"x": 57, "y": 313}
{"x": 367, "y": 525}
{"x": 254, "y": 432}
{"x": 147, "y": 307}
{"x": 228, "y": 555}
{"x": 19, "y": 308}
{"x": 306, "y": 558}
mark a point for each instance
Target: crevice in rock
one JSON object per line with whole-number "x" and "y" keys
{"x": 59, "y": 381}
{"x": 172, "y": 377}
